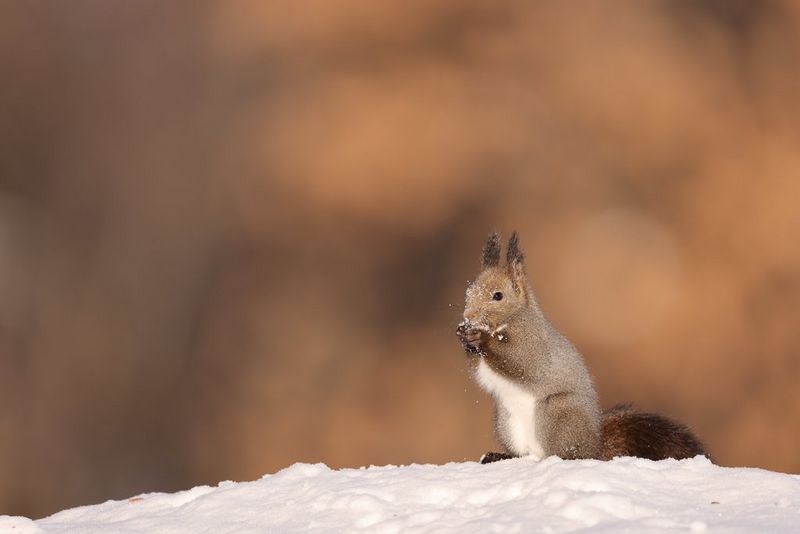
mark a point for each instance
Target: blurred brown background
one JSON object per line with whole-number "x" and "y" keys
{"x": 236, "y": 235}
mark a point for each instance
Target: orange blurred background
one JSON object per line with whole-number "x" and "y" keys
{"x": 236, "y": 235}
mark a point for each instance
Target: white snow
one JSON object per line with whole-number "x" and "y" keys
{"x": 520, "y": 495}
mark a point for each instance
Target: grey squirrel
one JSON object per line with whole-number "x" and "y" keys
{"x": 545, "y": 401}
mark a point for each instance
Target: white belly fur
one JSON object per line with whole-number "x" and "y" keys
{"x": 521, "y": 406}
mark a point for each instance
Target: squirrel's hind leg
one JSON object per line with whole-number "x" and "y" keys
{"x": 569, "y": 429}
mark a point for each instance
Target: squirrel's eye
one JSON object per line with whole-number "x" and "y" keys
{"x": 498, "y": 295}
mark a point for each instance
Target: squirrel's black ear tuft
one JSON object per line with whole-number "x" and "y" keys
{"x": 491, "y": 251}
{"x": 516, "y": 264}
{"x": 514, "y": 254}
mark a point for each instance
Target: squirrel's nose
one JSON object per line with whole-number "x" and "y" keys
{"x": 472, "y": 316}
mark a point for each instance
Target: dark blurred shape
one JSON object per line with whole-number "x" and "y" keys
{"x": 236, "y": 235}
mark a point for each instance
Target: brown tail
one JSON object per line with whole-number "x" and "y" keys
{"x": 627, "y": 432}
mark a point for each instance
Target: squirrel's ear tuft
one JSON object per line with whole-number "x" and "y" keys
{"x": 491, "y": 251}
{"x": 514, "y": 254}
{"x": 516, "y": 263}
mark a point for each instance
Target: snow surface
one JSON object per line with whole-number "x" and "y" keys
{"x": 521, "y": 495}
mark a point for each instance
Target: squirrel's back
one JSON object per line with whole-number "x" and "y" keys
{"x": 628, "y": 432}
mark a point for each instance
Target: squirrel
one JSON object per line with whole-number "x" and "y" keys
{"x": 545, "y": 401}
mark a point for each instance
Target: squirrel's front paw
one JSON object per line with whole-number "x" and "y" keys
{"x": 472, "y": 338}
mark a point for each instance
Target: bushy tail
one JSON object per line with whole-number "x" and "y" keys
{"x": 628, "y": 432}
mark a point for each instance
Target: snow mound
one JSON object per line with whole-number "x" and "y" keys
{"x": 518, "y": 495}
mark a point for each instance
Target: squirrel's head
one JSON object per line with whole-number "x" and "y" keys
{"x": 499, "y": 291}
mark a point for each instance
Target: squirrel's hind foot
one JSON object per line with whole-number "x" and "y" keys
{"x": 491, "y": 457}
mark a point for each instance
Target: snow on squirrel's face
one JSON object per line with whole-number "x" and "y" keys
{"x": 492, "y": 298}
